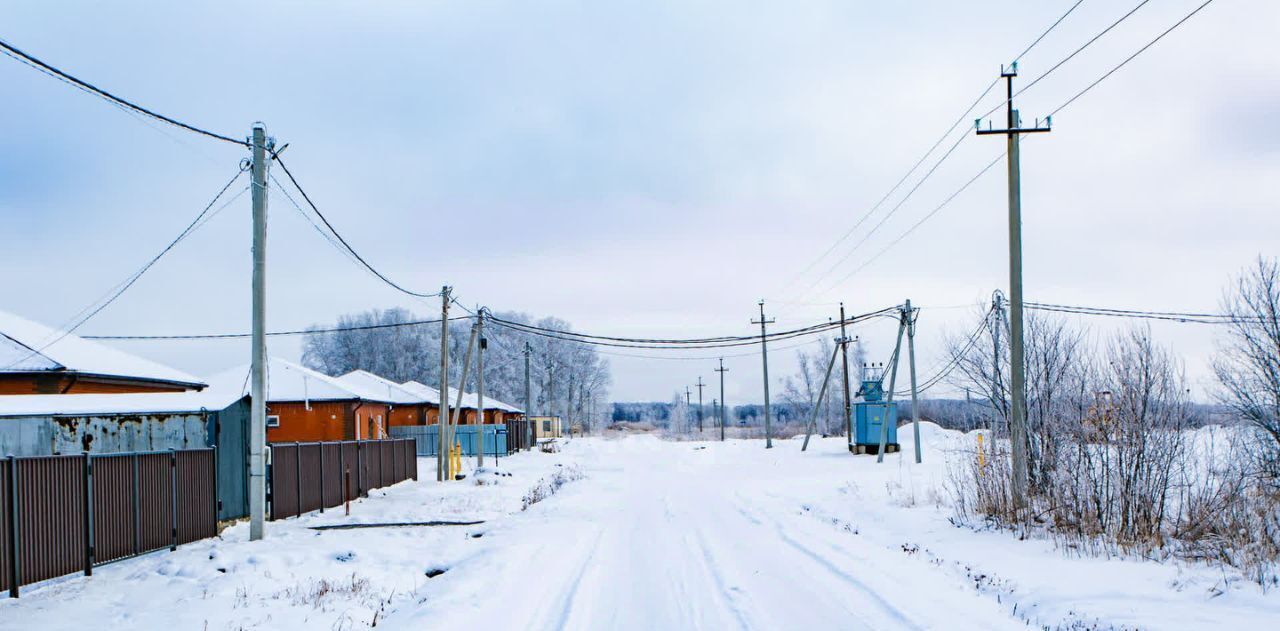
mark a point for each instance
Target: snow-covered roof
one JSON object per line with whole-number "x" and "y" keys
{"x": 470, "y": 400}
{"x": 112, "y": 404}
{"x": 426, "y": 393}
{"x": 29, "y": 347}
{"x": 373, "y": 384}
{"x": 287, "y": 381}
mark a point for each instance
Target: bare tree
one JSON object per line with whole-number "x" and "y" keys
{"x": 1248, "y": 360}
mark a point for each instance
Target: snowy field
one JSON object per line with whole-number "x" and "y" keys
{"x": 656, "y": 535}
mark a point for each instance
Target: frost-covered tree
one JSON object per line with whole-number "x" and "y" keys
{"x": 1248, "y": 361}
{"x": 568, "y": 379}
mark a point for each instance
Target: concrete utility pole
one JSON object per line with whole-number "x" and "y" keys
{"x": 1017, "y": 364}
{"x": 528, "y": 384}
{"x": 483, "y": 343}
{"x": 844, "y": 361}
{"x": 893, "y": 383}
{"x": 911, "y": 361}
{"x": 722, "y": 370}
{"x": 822, "y": 394}
{"x": 764, "y": 357}
{"x": 700, "y": 385}
{"x": 258, "y": 361}
{"x": 442, "y": 453}
{"x": 687, "y": 403}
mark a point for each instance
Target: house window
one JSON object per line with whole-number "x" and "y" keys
{"x": 273, "y": 420}
{"x": 546, "y": 426}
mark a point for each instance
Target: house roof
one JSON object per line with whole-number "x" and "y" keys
{"x": 373, "y": 384}
{"x": 287, "y": 381}
{"x": 470, "y": 400}
{"x": 113, "y": 404}
{"x": 30, "y": 347}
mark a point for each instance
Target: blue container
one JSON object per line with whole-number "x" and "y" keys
{"x": 869, "y": 416}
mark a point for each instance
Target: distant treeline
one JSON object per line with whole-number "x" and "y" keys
{"x": 660, "y": 414}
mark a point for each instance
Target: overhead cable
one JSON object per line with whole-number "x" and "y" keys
{"x": 15, "y": 53}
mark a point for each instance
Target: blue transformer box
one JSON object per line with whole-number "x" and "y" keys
{"x": 870, "y": 415}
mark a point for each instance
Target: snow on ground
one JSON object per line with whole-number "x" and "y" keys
{"x": 657, "y": 535}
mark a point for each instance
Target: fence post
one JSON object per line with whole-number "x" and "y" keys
{"x": 15, "y": 560}
{"x": 88, "y": 514}
{"x": 297, "y": 478}
{"x": 321, "y": 476}
{"x": 173, "y": 497}
{"x": 217, "y": 500}
{"x": 137, "y": 510}
{"x": 382, "y": 465}
{"x": 359, "y": 468}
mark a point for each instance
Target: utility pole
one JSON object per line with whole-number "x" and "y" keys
{"x": 528, "y": 385}
{"x": 687, "y": 403}
{"x": 764, "y": 357}
{"x": 722, "y": 370}
{"x": 442, "y": 453}
{"x": 1017, "y": 364}
{"x": 700, "y": 385}
{"x": 893, "y": 384}
{"x": 844, "y": 361}
{"x": 911, "y": 359}
{"x": 483, "y": 343}
{"x": 258, "y": 361}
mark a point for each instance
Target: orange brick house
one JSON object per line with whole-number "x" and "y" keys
{"x": 306, "y": 406}
{"x": 36, "y": 359}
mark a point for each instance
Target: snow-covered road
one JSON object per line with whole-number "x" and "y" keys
{"x": 670, "y": 536}
{"x": 657, "y": 535}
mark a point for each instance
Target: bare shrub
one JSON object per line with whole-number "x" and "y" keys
{"x": 550, "y": 485}
{"x": 1248, "y": 363}
{"x": 1125, "y": 472}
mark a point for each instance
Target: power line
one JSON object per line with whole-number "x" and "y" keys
{"x": 714, "y": 342}
{"x": 102, "y": 303}
{"x": 959, "y": 120}
{"x": 927, "y": 217}
{"x": 1130, "y": 57}
{"x": 308, "y": 331}
{"x": 1053, "y": 113}
{"x": 85, "y": 86}
{"x": 956, "y": 357}
{"x": 1173, "y": 316}
{"x": 1046, "y": 32}
{"x": 748, "y": 341}
{"x": 1069, "y": 57}
{"x": 345, "y": 244}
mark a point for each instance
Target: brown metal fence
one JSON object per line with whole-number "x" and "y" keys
{"x": 519, "y": 436}
{"x": 65, "y": 514}
{"x": 314, "y": 476}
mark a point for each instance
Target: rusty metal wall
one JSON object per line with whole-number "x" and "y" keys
{"x": 314, "y": 476}
{"x": 119, "y": 433}
{"x": 74, "y": 512}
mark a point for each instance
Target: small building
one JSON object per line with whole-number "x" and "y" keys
{"x": 495, "y": 411}
{"x": 408, "y": 406}
{"x": 546, "y": 427}
{"x": 36, "y": 359}
{"x": 307, "y": 406}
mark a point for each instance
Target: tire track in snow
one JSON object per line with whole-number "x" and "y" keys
{"x": 897, "y": 615}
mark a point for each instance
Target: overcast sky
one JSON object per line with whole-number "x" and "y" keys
{"x": 649, "y": 169}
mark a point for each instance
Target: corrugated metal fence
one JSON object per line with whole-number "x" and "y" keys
{"x": 65, "y": 514}
{"x": 315, "y": 476}
{"x": 497, "y": 439}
